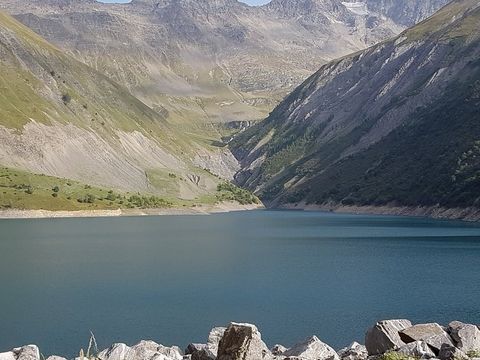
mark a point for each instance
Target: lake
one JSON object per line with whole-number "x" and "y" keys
{"x": 173, "y": 278}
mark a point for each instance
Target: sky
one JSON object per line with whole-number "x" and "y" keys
{"x": 250, "y": 2}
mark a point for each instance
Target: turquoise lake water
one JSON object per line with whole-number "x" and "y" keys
{"x": 172, "y": 278}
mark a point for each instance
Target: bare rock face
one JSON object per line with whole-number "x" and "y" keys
{"x": 384, "y": 336}
{"x": 465, "y": 336}
{"x": 418, "y": 350}
{"x": 355, "y": 351}
{"x": 242, "y": 342}
{"x": 311, "y": 349}
{"x": 433, "y": 334}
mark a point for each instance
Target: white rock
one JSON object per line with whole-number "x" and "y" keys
{"x": 417, "y": 349}
{"x": 214, "y": 339}
{"x": 312, "y": 349}
{"x": 117, "y": 351}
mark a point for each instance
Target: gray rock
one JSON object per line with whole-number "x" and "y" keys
{"x": 450, "y": 352}
{"x": 355, "y": 351}
{"x": 311, "y": 349}
{"x": 117, "y": 351}
{"x": 384, "y": 336}
{"x": 151, "y": 350}
{"x": 203, "y": 354}
{"x": 191, "y": 348}
{"x": 433, "y": 334}
{"x": 9, "y": 355}
{"x": 214, "y": 338}
{"x": 28, "y": 352}
{"x": 417, "y": 349}
{"x": 242, "y": 342}
{"x": 55, "y": 357}
{"x": 465, "y": 336}
{"x": 278, "y": 350}
{"x": 199, "y": 352}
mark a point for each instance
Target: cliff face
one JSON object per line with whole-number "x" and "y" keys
{"x": 396, "y": 123}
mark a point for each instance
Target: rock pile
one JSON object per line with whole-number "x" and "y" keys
{"x": 386, "y": 340}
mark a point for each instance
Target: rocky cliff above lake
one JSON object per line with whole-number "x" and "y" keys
{"x": 386, "y": 340}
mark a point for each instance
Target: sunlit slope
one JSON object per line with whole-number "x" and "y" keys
{"x": 62, "y": 118}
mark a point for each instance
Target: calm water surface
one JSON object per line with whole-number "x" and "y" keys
{"x": 172, "y": 278}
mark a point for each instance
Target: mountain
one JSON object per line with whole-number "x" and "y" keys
{"x": 62, "y": 118}
{"x": 397, "y": 124}
{"x": 200, "y": 62}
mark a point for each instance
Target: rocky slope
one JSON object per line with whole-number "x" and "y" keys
{"x": 201, "y": 62}
{"x": 396, "y": 124}
{"x": 62, "y": 118}
{"x": 386, "y": 340}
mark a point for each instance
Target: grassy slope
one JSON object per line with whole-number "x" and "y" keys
{"x": 24, "y": 190}
{"x": 39, "y": 82}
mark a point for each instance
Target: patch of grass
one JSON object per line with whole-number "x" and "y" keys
{"x": 229, "y": 192}
{"x": 474, "y": 353}
{"x": 23, "y": 190}
{"x": 394, "y": 355}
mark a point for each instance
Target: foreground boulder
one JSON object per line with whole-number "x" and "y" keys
{"x": 433, "y": 334}
{"x": 417, "y": 350}
{"x": 384, "y": 336}
{"x": 311, "y": 349}
{"x": 465, "y": 336}
{"x": 28, "y": 352}
{"x": 242, "y": 342}
{"x": 353, "y": 352}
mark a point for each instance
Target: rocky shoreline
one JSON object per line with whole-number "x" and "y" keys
{"x": 386, "y": 340}
{"x": 434, "y": 212}
{"x": 198, "y": 210}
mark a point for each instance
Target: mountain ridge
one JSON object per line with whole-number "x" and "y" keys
{"x": 319, "y": 146}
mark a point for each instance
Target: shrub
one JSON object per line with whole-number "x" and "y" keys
{"x": 87, "y": 199}
{"x": 56, "y": 189}
{"x": 229, "y": 192}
